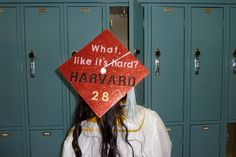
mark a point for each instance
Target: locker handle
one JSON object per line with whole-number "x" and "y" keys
{"x": 197, "y": 61}
{"x": 168, "y": 129}
{"x": 1, "y": 10}
{"x": 234, "y": 53}
{"x": 46, "y": 133}
{"x": 32, "y": 63}
{"x": 73, "y": 53}
{"x": 206, "y": 128}
{"x": 111, "y": 23}
{"x": 234, "y": 62}
{"x": 137, "y": 52}
{"x": 5, "y": 134}
{"x": 157, "y": 61}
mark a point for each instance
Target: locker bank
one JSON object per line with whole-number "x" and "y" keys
{"x": 189, "y": 46}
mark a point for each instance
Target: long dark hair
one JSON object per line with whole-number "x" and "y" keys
{"x": 108, "y": 125}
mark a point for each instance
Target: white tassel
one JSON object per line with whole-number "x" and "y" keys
{"x": 131, "y": 103}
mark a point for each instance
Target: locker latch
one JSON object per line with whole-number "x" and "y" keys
{"x": 4, "y": 134}
{"x": 157, "y": 61}
{"x": 197, "y": 61}
{"x": 234, "y": 62}
{"x": 137, "y": 52}
{"x": 32, "y": 63}
{"x": 73, "y": 53}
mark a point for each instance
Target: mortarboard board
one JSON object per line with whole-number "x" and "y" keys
{"x": 103, "y": 72}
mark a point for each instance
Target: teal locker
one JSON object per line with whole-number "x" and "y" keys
{"x": 11, "y": 143}
{"x": 46, "y": 143}
{"x": 205, "y": 140}
{"x": 43, "y": 40}
{"x": 11, "y": 72}
{"x": 83, "y": 24}
{"x": 207, "y": 48}
{"x": 138, "y": 41}
{"x": 167, "y": 38}
{"x": 176, "y": 137}
{"x": 232, "y": 75}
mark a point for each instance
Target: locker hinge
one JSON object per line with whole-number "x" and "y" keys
{"x": 143, "y": 19}
{"x": 185, "y": 23}
{"x": 182, "y": 140}
{"x": 220, "y": 139}
{"x": 143, "y": 24}
{"x": 22, "y": 145}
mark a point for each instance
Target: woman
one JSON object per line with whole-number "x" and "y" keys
{"x": 126, "y": 130}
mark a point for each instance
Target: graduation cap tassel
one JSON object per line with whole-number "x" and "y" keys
{"x": 131, "y": 103}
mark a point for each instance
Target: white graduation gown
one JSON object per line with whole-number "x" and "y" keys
{"x": 147, "y": 135}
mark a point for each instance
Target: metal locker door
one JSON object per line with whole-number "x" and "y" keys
{"x": 11, "y": 143}
{"x": 84, "y": 23}
{"x": 11, "y": 74}
{"x": 205, "y": 140}
{"x": 176, "y": 137}
{"x": 43, "y": 54}
{"x": 206, "y": 63}
{"x": 167, "y": 77}
{"x": 232, "y": 65}
{"x": 46, "y": 143}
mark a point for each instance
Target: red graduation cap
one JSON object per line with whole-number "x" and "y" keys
{"x": 103, "y": 72}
